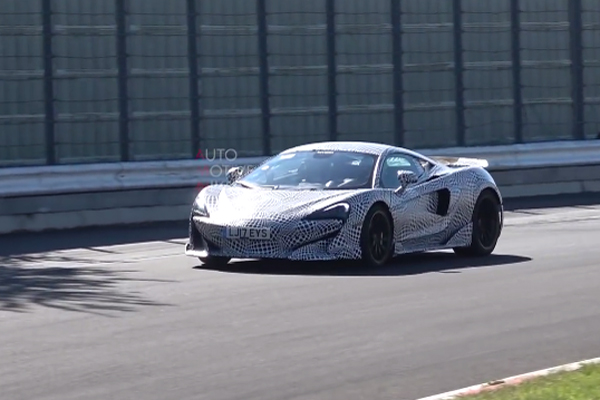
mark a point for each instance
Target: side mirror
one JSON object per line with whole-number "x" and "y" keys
{"x": 406, "y": 178}
{"x": 233, "y": 174}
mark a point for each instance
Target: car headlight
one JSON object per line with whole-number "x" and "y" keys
{"x": 199, "y": 209}
{"x": 337, "y": 211}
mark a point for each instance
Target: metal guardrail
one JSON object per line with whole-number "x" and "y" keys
{"x": 30, "y": 181}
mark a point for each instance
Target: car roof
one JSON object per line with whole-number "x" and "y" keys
{"x": 376, "y": 149}
{"x": 359, "y": 147}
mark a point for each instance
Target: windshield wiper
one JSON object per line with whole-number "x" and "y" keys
{"x": 253, "y": 186}
{"x": 311, "y": 188}
{"x": 247, "y": 185}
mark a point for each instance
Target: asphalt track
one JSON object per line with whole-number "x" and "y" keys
{"x": 121, "y": 314}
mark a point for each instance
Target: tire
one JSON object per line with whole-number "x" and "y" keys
{"x": 487, "y": 226}
{"x": 377, "y": 237}
{"x": 212, "y": 261}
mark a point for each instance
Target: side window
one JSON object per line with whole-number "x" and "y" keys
{"x": 398, "y": 162}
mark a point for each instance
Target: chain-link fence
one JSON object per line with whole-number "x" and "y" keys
{"x": 121, "y": 80}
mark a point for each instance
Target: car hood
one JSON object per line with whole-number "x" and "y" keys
{"x": 225, "y": 203}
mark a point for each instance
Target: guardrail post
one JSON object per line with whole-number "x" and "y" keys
{"x": 331, "y": 71}
{"x": 194, "y": 76}
{"x": 121, "y": 21}
{"x": 263, "y": 59}
{"x": 49, "y": 120}
{"x": 577, "y": 82}
{"x": 396, "y": 10}
{"x": 459, "y": 87}
{"x": 515, "y": 23}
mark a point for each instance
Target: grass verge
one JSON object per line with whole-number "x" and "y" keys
{"x": 582, "y": 384}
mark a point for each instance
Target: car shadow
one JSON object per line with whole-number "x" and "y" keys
{"x": 414, "y": 264}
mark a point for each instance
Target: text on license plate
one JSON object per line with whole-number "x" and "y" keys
{"x": 248, "y": 233}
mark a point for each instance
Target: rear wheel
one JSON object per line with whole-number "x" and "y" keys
{"x": 487, "y": 225}
{"x": 213, "y": 261}
{"x": 377, "y": 237}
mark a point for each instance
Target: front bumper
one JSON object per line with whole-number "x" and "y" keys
{"x": 294, "y": 240}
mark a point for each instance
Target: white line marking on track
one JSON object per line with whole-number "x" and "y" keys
{"x": 511, "y": 381}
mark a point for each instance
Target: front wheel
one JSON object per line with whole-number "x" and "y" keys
{"x": 213, "y": 261}
{"x": 377, "y": 237}
{"x": 487, "y": 225}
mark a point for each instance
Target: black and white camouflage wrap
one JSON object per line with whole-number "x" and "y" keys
{"x": 418, "y": 226}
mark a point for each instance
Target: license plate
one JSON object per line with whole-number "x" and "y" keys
{"x": 248, "y": 233}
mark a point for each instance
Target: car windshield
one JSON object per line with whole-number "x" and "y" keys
{"x": 314, "y": 170}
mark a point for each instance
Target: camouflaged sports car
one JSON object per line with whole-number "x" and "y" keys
{"x": 347, "y": 200}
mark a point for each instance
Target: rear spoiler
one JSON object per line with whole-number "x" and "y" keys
{"x": 461, "y": 161}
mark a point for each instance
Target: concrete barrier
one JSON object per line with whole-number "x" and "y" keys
{"x": 63, "y": 197}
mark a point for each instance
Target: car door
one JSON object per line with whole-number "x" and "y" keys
{"x": 418, "y": 210}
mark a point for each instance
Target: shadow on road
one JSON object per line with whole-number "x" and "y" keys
{"x": 83, "y": 288}
{"x": 86, "y": 238}
{"x": 414, "y": 264}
